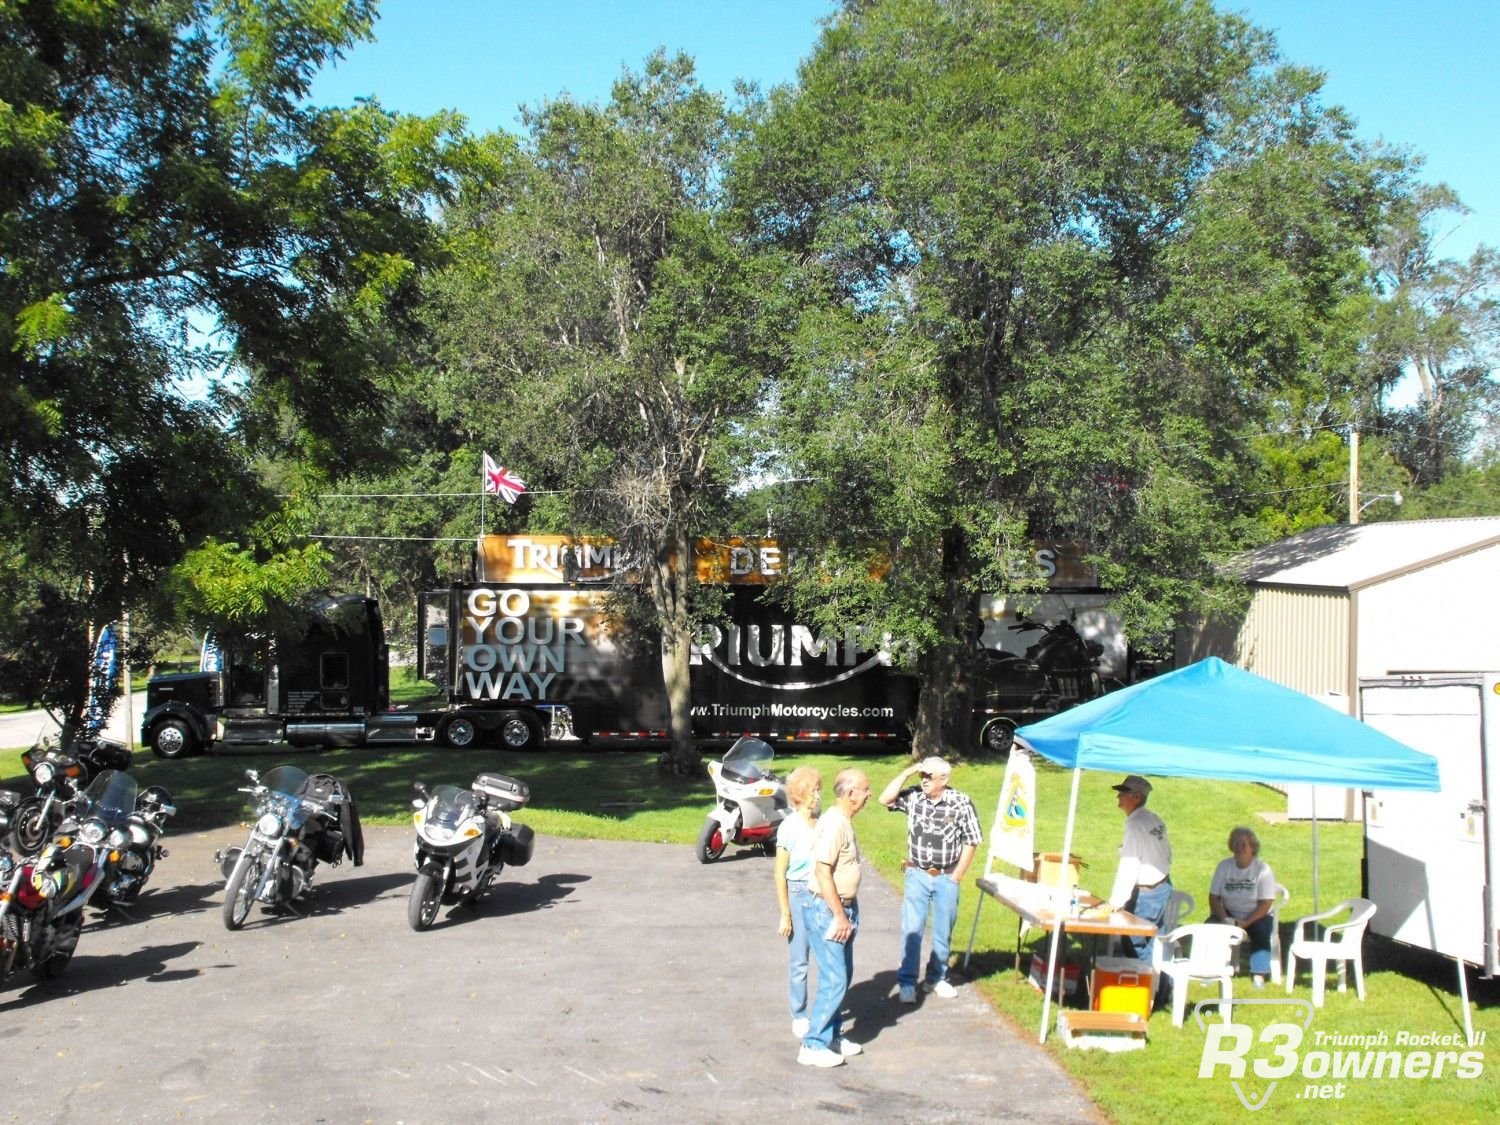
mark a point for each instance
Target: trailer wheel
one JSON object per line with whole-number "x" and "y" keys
{"x": 459, "y": 732}
{"x": 999, "y": 736}
{"x": 520, "y": 730}
{"x": 172, "y": 738}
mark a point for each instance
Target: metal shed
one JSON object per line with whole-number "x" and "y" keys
{"x": 1338, "y": 604}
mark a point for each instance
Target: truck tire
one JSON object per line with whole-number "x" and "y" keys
{"x": 520, "y": 730}
{"x": 172, "y": 739}
{"x": 999, "y": 736}
{"x": 459, "y": 732}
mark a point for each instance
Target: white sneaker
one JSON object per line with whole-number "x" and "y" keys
{"x": 847, "y": 1047}
{"x": 908, "y": 994}
{"x": 943, "y": 989}
{"x": 819, "y": 1056}
{"x": 801, "y": 1026}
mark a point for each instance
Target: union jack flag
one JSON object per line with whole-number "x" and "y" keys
{"x": 501, "y": 481}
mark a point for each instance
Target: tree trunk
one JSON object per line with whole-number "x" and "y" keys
{"x": 945, "y": 707}
{"x": 670, "y": 589}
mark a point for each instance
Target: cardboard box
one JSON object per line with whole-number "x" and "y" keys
{"x": 1122, "y": 984}
{"x": 1069, "y": 974}
{"x": 1049, "y": 870}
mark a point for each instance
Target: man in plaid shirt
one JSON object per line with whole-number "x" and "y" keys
{"x": 942, "y": 835}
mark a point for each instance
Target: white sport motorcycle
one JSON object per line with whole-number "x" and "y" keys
{"x": 750, "y": 801}
{"x": 464, "y": 838}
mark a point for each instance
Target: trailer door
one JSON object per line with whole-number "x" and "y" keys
{"x": 1427, "y": 854}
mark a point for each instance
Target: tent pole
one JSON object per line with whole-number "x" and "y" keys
{"x": 1313, "y": 792}
{"x": 1059, "y": 907}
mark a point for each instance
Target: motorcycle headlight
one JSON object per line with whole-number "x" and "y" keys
{"x": 92, "y": 832}
{"x": 269, "y": 825}
{"x": 119, "y": 838}
{"x": 45, "y": 773}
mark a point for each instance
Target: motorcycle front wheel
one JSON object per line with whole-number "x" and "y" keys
{"x": 30, "y": 826}
{"x": 64, "y": 941}
{"x": 240, "y": 892}
{"x": 711, "y": 841}
{"x": 422, "y": 907}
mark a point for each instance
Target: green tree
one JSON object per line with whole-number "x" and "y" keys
{"x": 1064, "y": 257}
{"x": 193, "y": 263}
{"x": 1439, "y": 324}
{"x": 599, "y": 331}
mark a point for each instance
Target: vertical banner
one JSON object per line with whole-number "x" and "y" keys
{"x": 103, "y": 674}
{"x": 1013, "y": 836}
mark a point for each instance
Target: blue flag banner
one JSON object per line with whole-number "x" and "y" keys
{"x": 103, "y": 673}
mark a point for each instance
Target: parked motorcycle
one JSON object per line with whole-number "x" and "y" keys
{"x": 60, "y": 774}
{"x": 464, "y": 838}
{"x": 41, "y": 907}
{"x": 10, "y": 801}
{"x": 300, "y": 820}
{"x": 750, "y": 801}
{"x": 131, "y": 823}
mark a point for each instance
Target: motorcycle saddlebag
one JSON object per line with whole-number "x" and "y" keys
{"x": 504, "y": 793}
{"x": 516, "y": 846}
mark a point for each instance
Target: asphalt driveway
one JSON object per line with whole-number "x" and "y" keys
{"x": 604, "y": 981}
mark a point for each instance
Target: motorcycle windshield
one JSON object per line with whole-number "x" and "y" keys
{"x": 287, "y": 780}
{"x": 450, "y": 806}
{"x": 112, "y": 794}
{"x": 749, "y": 759}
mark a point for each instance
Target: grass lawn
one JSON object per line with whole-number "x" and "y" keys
{"x": 618, "y": 795}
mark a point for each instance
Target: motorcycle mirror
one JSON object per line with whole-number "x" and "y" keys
{"x": 420, "y": 787}
{"x": 253, "y": 776}
{"x": 417, "y": 803}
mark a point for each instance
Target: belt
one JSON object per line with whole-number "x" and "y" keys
{"x": 847, "y": 901}
{"x": 1153, "y": 886}
{"x": 930, "y": 870}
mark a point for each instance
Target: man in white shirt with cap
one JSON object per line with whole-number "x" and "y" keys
{"x": 1143, "y": 881}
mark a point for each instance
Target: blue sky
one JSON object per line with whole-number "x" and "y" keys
{"x": 1422, "y": 74}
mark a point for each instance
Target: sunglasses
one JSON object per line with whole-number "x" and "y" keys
{"x": 930, "y": 776}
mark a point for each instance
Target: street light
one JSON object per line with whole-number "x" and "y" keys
{"x": 1393, "y": 497}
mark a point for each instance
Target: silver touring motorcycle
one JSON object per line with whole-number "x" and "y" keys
{"x": 300, "y": 821}
{"x": 464, "y": 838}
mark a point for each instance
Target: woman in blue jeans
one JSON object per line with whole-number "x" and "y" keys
{"x": 793, "y": 871}
{"x": 1241, "y": 894}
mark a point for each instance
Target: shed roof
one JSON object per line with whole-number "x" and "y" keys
{"x": 1347, "y": 557}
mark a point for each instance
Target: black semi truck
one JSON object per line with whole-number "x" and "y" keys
{"x": 526, "y": 662}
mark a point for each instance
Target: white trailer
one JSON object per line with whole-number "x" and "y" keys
{"x": 1432, "y": 859}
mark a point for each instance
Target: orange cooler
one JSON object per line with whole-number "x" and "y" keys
{"x": 1122, "y": 984}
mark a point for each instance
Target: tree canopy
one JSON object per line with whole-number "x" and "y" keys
{"x": 193, "y": 266}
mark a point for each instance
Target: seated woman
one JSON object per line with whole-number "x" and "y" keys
{"x": 1241, "y": 894}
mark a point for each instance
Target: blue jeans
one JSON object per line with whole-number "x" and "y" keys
{"x": 1149, "y": 903}
{"x": 797, "y": 950}
{"x": 835, "y": 967}
{"x": 926, "y": 894}
{"x": 1258, "y": 934}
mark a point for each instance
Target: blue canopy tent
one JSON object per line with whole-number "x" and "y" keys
{"x": 1212, "y": 719}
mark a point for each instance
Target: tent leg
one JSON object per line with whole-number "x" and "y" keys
{"x": 1463, "y": 996}
{"x": 1057, "y": 910}
{"x": 974, "y": 929}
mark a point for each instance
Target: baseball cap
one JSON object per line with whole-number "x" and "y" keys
{"x": 936, "y": 765}
{"x": 1133, "y": 783}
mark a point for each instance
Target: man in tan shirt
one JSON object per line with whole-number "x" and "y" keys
{"x": 832, "y": 917}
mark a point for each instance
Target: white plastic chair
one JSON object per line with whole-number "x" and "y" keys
{"x": 1210, "y": 956}
{"x": 1180, "y": 907}
{"x": 1341, "y": 942}
{"x": 1279, "y": 896}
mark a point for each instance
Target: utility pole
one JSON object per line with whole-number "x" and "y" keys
{"x": 1354, "y": 473}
